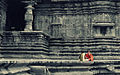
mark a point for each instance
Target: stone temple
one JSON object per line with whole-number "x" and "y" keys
{"x": 46, "y": 37}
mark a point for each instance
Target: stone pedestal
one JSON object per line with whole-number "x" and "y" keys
{"x": 29, "y": 15}
{"x": 25, "y": 44}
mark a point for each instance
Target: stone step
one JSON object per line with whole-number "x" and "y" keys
{"x": 54, "y": 55}
{"x": 17, "y": 49}
{"x": 58, "y": 62}
{"x": 94, "y": 66}
{"x": 18, "y": 69}
{"x": 56, "y": 70}
{"x": 62, "y": 56}
{"x": 23, "y": 73}
{"x": 24, "y": 52}
{"x": 63, "y": 68}
{"x": 68, "y": 68}
{"x": 14, "y": 70}
{"x": 107, "y": 58}
{"x": 78, "y": 48}
{"x": 77, "y": 57}
{"x": 78, "y": 54}
{"x": 23, "y": 48}
{"x": 117, "y": 71}
{"x": 106, "y": 62}
{"x": 25, "y": 44}
{"x": 107, "y": 74}
{"x": 92, "y": 51}
{"x": 24, "y": 56}
{"x": 39, "y": 70}
{"x": 85, "y": 51}
{"x": 86, "y": 43}
{"x": 73, "y": 73}
{"x": 48, "y": 62}
{"x": 105, "y": 71}
{"x": 87, "y": 40}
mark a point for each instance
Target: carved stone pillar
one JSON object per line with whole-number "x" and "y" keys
{"x": 29, "y": 15}
{"x": 0, "y": 19}
{"x": 98, "y": 31}
{"x": 117, "y": 31}
{"x": 108, "y": 31}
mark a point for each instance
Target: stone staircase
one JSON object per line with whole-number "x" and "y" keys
{"x": 10, "y": 68}
{"x": 24, "y": 45}
{"x": 59, "y": 57}
{"x": 71, "y": 68}
{"x": 105, "y": 51}
{"x": 98, "y": 55}
{"x": 57, "y": 67}
{"x": 99, "y": 48}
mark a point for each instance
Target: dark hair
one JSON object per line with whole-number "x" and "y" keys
{"x": 82, "y": 52}
{"x": 88, "y": 50}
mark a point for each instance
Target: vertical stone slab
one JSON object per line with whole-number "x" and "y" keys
{"x": 39, "y": 70}
{"x": 117, "y": 27}
{"x": 56, "y": 26}
{"x": 3, "y": 8}
{"x": 86, "y": 25}
{"x": 82, "y": 25}
{"x": 42, "y": 21}
{"x": 37, "y": 21}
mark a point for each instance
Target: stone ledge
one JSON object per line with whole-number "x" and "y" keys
{"x": 73, "y": 73}
{"x": 5, "y": 60}
{"x": 20, "y": 61}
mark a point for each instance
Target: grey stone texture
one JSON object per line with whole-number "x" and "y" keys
{"x": 55, "y": 34}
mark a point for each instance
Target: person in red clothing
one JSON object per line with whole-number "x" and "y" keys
{"x": 89, "y": 56}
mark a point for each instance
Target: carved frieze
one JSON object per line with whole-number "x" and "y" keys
{"x": 19, "y": 39}
{"x": 103, "y": 18}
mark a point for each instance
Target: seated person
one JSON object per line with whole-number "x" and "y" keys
{"x": 82, "y": 56}
{"x": 89, "y": 56}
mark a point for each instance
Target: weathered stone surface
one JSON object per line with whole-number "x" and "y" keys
{"x": 72, "y": 73}
{"x": 24, "y": 44}
{"x": 73, "y": 26}
{"x": 3, "y": 10}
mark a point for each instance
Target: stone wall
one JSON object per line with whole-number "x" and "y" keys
{"x": 117, "y": 22}
{"x": 72, "y": 25}
{"x": 76, "y": 18}
{"x": 3, "y": 8}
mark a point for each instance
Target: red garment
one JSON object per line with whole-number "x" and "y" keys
{"x": 89, "y": 56}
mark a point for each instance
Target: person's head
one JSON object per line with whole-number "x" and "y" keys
{"x": 82, "y": 52}
{"x": 88, "y": 52}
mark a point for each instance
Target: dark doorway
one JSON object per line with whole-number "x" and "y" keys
{"x": 15, "y": 16}
{"x": 103, "y": 30}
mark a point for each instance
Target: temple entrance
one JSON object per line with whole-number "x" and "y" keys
{"x": 15, "y": 15}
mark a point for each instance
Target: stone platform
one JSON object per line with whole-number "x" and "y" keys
{"x": 34, "y": 53}
{"x": 57, "y": 67}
